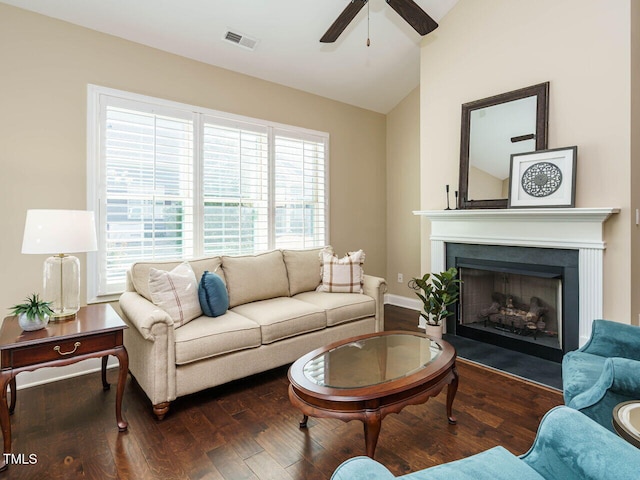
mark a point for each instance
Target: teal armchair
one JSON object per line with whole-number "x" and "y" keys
{"x": 568, "y": 446}
{"x": 604, "y": 372}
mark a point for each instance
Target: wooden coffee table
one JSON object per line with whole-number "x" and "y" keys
{"x": 367, "y": 377}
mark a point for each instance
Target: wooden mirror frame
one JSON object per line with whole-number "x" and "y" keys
{"x": 542, "y": 121}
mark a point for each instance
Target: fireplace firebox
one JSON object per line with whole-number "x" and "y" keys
{"x": 520, "y": 298}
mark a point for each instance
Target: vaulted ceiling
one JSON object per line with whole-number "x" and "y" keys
{"x": 287, "y": 33}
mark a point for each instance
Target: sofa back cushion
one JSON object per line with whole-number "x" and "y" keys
{"x": 139, "y": 273}
{"x": 303, "y": 269}
{"x": 255, "y": 277}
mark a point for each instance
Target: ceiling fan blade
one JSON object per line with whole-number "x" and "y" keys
{"x": 414, "y": 15}
{"x": 337, "y": 27}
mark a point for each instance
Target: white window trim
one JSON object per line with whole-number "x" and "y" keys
{"x": 94, "y": 92}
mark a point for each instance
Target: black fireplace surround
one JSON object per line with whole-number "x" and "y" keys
{"x": 537, "y": 262}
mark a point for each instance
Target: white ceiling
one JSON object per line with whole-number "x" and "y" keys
{"x": 288, "y": 32}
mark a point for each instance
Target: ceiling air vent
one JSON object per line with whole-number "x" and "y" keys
{"x": 241, "y": 40}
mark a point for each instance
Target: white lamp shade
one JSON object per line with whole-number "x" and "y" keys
{"x": 59, "y": 231}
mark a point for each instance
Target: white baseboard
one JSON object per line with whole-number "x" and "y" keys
{"x": 400, "y": 301}
{"x": 405, "y": 302}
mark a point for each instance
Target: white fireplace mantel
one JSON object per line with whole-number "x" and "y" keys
{"x": 569, "y": 228}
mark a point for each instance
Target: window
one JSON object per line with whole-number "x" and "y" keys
{"x": 168, "y": 180}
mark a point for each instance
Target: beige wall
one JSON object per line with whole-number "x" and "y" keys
{"x": 46, "y": 66}
{"x": 403, "y": 194}
{"x": 583, "y": 48}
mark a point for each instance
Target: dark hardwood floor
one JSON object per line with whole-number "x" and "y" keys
{"x": 249, "y": 430}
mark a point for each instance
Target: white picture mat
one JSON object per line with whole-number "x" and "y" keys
{"x": 563, "y": 197}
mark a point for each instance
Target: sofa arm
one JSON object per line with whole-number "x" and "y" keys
{"x": 613, "y": 339}
{"x": 361, "y": 468}
{"x": 376, "y": 287}
{"x": 569, "y": 445}
{"x": 619, "y": 375}
{"x": 144, "y": 315}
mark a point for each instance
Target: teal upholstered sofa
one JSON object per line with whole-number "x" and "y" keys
{"x": 568, "y": 446}
{"x": 604, "y": 372}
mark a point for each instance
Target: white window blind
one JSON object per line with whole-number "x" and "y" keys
{"x": 235, "y": 187}
{"x": 173, "y": 181}
{"x": 299, "y": 190}
{"x": 147, "y": 211}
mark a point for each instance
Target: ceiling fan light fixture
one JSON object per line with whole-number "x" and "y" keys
{"x": 409, "y": 10}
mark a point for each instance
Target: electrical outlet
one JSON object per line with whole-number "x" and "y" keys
{"x": 400, "y": 278}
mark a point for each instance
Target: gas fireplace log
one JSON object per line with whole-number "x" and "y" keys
{"x": 505, "y": 311}
{"x": 485, "y": 312}
{"x": 536, "y": 307}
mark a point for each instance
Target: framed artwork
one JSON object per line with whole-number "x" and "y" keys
{"x": 545, "y": 178}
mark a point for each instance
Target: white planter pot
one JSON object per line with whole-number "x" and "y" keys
{"x": 434, "y": 331}
{"x": 31, "y": 325}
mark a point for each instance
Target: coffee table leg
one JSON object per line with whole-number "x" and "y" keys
{"x": 451, "y": 394}
{"x": 372, "y": 423}
{"x": 303, "y": 423}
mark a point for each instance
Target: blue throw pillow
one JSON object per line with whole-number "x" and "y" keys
{"x": 212, "y": 292}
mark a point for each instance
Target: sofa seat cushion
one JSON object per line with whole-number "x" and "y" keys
{"x": 580, "y": 370}
{"x": 283, "y": 317}
{"x": 494, "y": 464}
{"x": 207, "y": 337}
{"x": 341, "y": 307}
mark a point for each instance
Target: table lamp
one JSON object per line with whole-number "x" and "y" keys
{"x": 58, "y": 233}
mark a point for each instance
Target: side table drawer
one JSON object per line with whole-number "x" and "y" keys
{"x": 63, "y": 349}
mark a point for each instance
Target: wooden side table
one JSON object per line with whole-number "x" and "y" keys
{"x": 95, "y": 333}
{"x": 626, "y": 421}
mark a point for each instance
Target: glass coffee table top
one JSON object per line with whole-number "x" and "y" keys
{"x": 371, "y": 361}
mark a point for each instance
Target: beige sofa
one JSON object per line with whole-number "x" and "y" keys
{"x": 275, "y": 316}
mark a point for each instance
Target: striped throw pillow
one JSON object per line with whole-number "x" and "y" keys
{"x": 176, "y": 292}
{"x": 341, "y": 275}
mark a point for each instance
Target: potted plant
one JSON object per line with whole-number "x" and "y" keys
{"x": 33, "y": 314}
{"x": 437, "y": 291}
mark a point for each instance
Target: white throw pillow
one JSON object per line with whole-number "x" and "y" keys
{"x": 176, "y": 292}
{"x": 344, "y": 275}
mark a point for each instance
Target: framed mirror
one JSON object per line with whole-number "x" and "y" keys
{"x": 492, "y": 130}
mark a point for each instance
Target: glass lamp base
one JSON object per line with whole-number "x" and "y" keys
{"x": 62, "y": 316}
{"x": 62, "y": 286}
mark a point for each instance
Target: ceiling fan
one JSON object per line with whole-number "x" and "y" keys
{"x": 407, "y": 9}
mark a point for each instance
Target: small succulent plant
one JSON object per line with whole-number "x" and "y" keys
{"x": 33, "y": 308}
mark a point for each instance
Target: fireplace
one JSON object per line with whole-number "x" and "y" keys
{"x": 553, "y": 233}
{"x": 523, "y": 299}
